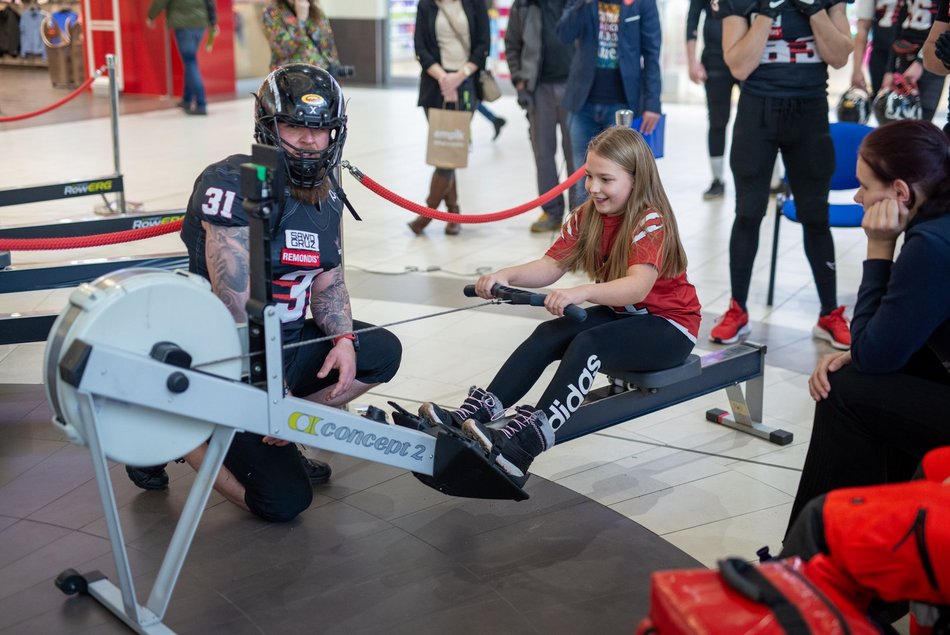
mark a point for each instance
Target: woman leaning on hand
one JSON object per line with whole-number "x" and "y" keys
{"x": 882, "y": 405}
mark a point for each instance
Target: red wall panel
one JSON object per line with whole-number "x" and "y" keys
{"x": 145, "y": 50}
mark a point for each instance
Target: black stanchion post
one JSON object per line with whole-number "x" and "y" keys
{"x": 262, "y": 188}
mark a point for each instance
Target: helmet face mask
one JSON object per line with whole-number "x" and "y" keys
{"x": 304, "y": 96}
{"x": 854, "y": 106}
{"x": 891, "y": 105}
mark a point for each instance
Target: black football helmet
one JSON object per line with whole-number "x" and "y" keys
{"x": 891, "y": 105}
{"x": 306, "y": 96}
{"x": 854, "y": 105}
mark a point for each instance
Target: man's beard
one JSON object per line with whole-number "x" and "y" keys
{"x": 311, "y": 195}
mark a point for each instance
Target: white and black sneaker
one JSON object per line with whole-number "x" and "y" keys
{"x": 717, "y": 189}
{"x": 480, "y": 405}
{"x": 516, "y": 445}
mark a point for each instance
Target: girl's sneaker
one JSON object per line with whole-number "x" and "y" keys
{"x": 516, "y": 445}
{"x": 480, "y": 405}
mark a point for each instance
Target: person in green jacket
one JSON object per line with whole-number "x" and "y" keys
{"x": 188, "y": 19}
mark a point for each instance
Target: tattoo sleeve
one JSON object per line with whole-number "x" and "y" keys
{"x": 227, "y": 257}
{"x": 330, "y": 303}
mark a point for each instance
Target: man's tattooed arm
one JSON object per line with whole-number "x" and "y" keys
{"x": 330, "y": 303}
{"x": 227, "y": 256}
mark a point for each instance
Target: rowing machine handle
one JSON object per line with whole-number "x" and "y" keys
{"x": 520, "y": 296}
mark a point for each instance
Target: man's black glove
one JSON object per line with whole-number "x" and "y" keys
{"x": 809, "y": 8}
{"x": 772, "y": 8}
{"x": 942, "y": 49}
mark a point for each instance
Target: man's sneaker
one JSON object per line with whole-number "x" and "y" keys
{"x": 317, "y": 471}
{"x": 834, "y": 328}
{"x": 516, "y": 445}
{"x": 480, "y": 405}
{"x": 731, "y": 326}
{"x": 546, "y": 223}
{"x": 152, "y": 477}
{"x": 716, "y": 190}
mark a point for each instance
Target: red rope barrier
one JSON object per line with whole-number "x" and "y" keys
{"x": 59, "y": 103}
{"x": 78, "y": 242}
{"x": 466, "y": 218}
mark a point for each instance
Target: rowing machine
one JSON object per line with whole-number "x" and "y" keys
{"x": 634, "y": 394}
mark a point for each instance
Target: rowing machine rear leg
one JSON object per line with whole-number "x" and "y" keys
{"x": 746, "y": 413}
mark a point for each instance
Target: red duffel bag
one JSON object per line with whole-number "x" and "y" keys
{"x": 744, "y": 599}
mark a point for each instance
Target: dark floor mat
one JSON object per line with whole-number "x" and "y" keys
{"x": 376, "y": 553}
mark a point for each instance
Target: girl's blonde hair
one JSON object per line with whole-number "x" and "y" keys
{"x": 627, "y": 148}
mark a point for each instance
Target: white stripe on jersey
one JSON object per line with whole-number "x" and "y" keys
{"x": 649, "y": 227}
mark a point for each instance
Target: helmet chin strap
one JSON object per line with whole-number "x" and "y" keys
{"x": 341, "y": 193}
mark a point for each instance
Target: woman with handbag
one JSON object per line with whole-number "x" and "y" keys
{"x": 452, "y": 42}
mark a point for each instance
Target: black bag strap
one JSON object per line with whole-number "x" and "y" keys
{"x": 749, "y": 581}
{"x": 455, "y": 30}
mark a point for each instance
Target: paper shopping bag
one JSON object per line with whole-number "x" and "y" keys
{"x": 449, "y": 134}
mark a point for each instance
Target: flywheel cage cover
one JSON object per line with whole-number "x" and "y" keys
{"x": 133, "y": 309}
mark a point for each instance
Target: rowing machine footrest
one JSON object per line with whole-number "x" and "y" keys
{"x": 462, "y": 469}
{"x": 404, "y": 418}
{"x": 649, "y": 380}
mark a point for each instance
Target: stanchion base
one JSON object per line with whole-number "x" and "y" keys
{"x": 112, "y": 208}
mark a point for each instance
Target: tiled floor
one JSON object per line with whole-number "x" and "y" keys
{"x": 705, "y": 489}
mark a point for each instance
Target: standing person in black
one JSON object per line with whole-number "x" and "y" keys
{"x": 711, "y": 71}
{"x": 876, "y": 19}
{"x": 916, "y": 17}
{"x": 452, "y": 40}
{"x": 539, "y": 63}
{"x": 780, "y": 51}
{"x": 936, "y": 49}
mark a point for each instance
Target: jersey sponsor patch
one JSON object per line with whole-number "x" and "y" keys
{"x": 300, "y": 257}
{"x": 307, "y": 241}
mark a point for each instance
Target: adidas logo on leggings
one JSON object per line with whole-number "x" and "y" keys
{"x": 560, "y": 412}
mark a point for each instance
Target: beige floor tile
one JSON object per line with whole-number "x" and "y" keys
{"x": 701, "y": 501}
{"x": 739, "y": 537}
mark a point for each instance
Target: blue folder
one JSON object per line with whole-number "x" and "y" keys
{"x": 655, "y": 138}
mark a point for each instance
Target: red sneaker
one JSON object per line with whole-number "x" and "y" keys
{"x": 834, "y": 328}
{"x": 731, "y": 326}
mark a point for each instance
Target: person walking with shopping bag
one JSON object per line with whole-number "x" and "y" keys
{"x": 452, "y": 42}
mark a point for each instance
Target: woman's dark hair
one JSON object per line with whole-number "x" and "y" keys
{"x": 917, "y": 152}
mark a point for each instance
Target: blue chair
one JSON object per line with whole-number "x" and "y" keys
{"x": 846, "y": 138}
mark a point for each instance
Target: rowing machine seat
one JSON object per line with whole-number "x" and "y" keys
{"x": 651, "y": 380}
